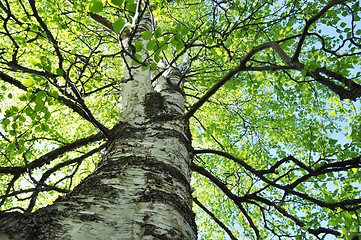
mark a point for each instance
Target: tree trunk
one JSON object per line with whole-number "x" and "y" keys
{"x": 141, "y": 189}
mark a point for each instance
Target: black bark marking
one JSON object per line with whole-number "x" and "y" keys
{"x": 154, "y": 105}
{"x": 31, "y": 226}
{"x": 146, "y": 163}
{"x": 92, "y": 186}
{"x": 170, "y": 199}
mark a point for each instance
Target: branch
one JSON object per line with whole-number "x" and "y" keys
{"x": 328, "y": 167}
{"x": 228, "y": 193}
{"x": 47, "y": 158}
{"x": 83, "y": 111}
{"x": 220, "y": 223}
{"x": 12, "y": 81}
{"x": 297, "y": 221}
{"x": 10, "y": 185}
{"x": 229, "y": 156}
{"x": 238, "y": 200}
{"x": 233, "y": 72}
{"x": 352, "y": 93}
{"x": 346, "y": 204}
{"x": 102, "y": 20}
{"x": 212, "y": 91}
{"x": 47, "y": 31}
{"x": 309, "y": 23}
{"x": 46, "y": 175}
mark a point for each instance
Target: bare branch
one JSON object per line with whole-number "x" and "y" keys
{"x": 308, "y": 25}
{"x": 219, "y": 222}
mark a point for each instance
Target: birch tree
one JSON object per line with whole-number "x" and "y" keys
{"x": 186, "y": 119}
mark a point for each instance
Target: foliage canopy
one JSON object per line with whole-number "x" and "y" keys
{"x": 273, "y": 97}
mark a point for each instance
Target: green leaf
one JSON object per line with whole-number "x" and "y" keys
{"x": 5, "y": 122}
{"x": 138, "y": 57}
{"x": 332, "y": 142}
{"x": 182, "y": 30}
{"x": 138, "y": 45}
{"x": 38, "y": 129}
{"x": 38, "y": 106}
{"x": 178, "y": 27}
{"x": 164, "y": 46}
{"x": 96, "y": 6}
{"x": 29, "y": 112}
{"x": 179, "y": 46}
{"x": 28, "y": 82}
{"x": 118, "y": 25}
{"x": 60, "y": 72}
{"x": 54, "y": 92}
{"x": 333, "y": 222}
{"x": 153, "y": 66}
{"x": 41, "y": 95}
{"x": 298, "y": 237}
{"x": 22, "y": 118}
{"x": 11, "y": 147}
{"x": 304, "y": 71}
{"x": 344, "y": 230}
{"x": 151, "y": 45}
{"x": 146, "y": 35}
{"x": 157, "y": 56}
{"x": 335, "y": 182}
{"x": 145, "y": 67}
{"x": 158, "y": 32}
{"x": 45, "y": 127}
{"x": 47, "y": 114}
{"x": 35, "y": 61}
{"x": 117, "y": 2}
{"x": 305, "y": 228}
{"x": 177, "y": 37}
{"x": 131, "y": 7}
{"x": 175, "y": 40}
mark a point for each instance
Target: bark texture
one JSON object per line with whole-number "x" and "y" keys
{"x": 141, "y": 188}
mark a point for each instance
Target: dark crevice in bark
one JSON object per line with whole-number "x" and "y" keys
{"x": 114, "y": 169}
{"x": 154, "y": 105}
{"x": 40, "y": 225}
{"x": 172, "y": 199}
{"x": 184, "y": 137}
{"x": 92, "y": 186}
{"x": 151, "y": 230}
{"x": 90, "y": 217}
{"x": 125, "y": 131}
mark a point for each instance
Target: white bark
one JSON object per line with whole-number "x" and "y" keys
{"x": 141, "y": 189}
